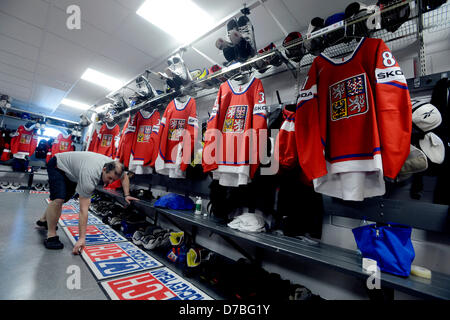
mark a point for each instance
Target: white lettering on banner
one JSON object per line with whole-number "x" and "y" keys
{"x": 74, "y": 20}
{"x": 129, "y": 263}
{"x": 157, "y": 287}
{"x": 135, "y": 281}
{"x": 168, "y": 294}
{"x": 390, "y": 74}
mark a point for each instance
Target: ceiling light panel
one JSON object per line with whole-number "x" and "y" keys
{"x": 101, "y": 79}
{"x": 182, "y": 19}
{"x": 75, "y": 104}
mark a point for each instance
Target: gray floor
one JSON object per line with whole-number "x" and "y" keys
{"x": 27, "y": 269}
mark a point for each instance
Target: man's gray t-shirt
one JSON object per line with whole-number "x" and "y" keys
{"x": 84, "y": 168}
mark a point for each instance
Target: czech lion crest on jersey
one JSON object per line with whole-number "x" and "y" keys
{"x": 106, "y": 140}
{"x": 176, "y": 128}
{"x": 64, "y": 146}
{"x": 235, "y": 119}
{"x": 144, "y": 133}
{"x": 25, "y": 139}
{"x": 349, "y": 97}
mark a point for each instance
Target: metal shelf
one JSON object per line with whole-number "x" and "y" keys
{"x": 342, "y": 260}
{"x": 406, "y": 35}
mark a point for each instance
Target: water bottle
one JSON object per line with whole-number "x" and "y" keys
{"x": 198, "y": 206}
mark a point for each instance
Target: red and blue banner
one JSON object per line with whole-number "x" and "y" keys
{"x": 39, "y": 192}
{"x": 117, "y": 259}
{"x": 71, "y": 219}
{"x": 95, "y": 234}
{"x": 68, "y": 209}
{"x": 158, "y": 284}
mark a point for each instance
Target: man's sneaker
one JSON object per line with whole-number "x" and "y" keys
{"x": 138, "y": 237}
{"x": 4, "y": 185}
{"x": 156, "y": 240}
{"x": 146, "y": 239}
{"x": 221, "y": 44}
{"x": 115, "y": 223}
{"x": 46, "y": 187}
{"x": 164, "y": 243}
{"x": 226, "y": 45}
{"x": 178, "y": 69}
{"x": 53, "y": 243}
{"x": 245, "y": 28}
{"x": 44, "y": 224}
{"x": 38, "y": 186}
{"x": 15, "y": 186}
{"x": 232, "y": 26}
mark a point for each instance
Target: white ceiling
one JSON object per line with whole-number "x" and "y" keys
{"x": 41, "y": 61}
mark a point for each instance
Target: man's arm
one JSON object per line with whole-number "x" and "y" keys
{"x": 126, "y": 188}
{"x": 82, "y": 224}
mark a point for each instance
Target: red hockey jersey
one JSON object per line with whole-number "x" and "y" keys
{"x": 6, "y": 154}
{"x": 285, "y": 144}
{"x": 126, "y": 141}
{"x": 108, "y": 140}
{"x": 93, "y": 139}
{"x": 231, "y": 148}
{"x": 175, "y": 147}
{"x": 24, "y": 142}
{"x": 353, "y": 122}
{"x": 63, "y": 143}
{"x": 145, "y": 141}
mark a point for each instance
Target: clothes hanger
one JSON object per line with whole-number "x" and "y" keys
{"x": 242, "y": 77}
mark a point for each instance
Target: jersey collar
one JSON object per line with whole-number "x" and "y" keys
{"x": 147, "y": 114}
{"x": 339, "y": 61}
{"x": 241, "y": 89}
{"x": 180, "y": 106}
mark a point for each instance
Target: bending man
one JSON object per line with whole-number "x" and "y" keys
{"x": 78, "y": 172}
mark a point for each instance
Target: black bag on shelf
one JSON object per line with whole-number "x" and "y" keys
{"x": 19, "y": 165}
{"x": 41, "y": 150}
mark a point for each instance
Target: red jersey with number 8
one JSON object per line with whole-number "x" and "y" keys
{"x": 353, "y": 122}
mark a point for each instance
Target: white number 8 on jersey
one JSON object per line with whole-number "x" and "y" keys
{"x": 388, "y": 59}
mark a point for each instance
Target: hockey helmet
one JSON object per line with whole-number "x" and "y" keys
{"x": 296, "y": 52}
{"x": 356, "y": 15}
{"x": 392, "y": 19}
{"x": 315, "y": 45}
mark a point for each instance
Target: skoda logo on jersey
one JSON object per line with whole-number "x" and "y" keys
{"x": 305, "y": 95}
{"x": 390, "y": 74}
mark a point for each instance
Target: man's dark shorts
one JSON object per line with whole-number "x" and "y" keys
{"x": 60, "y": 186}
